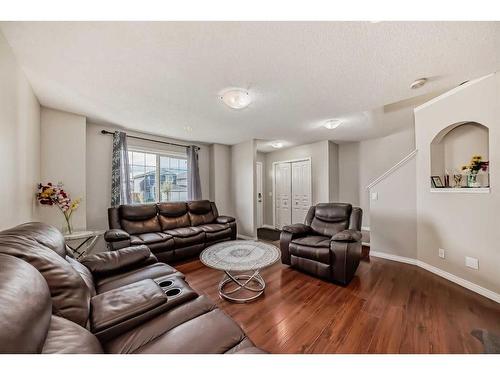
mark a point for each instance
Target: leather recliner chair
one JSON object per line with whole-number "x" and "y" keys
{"x": 328, "y": 245}
{"x": 52, "y": 303}
{"x": 172, "y": 230}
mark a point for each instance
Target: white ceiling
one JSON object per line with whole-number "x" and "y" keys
{"x": 163, "y": 77}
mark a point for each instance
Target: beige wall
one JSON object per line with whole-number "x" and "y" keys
{"x": 63, "y": 159}
{"x": 393, "y": 220}
{"x": 462, "y": 224}
{"x": 220, "y": 178}
{"x": 319, "y": 152}
{"x": 19, "y": 142}
{"x": 362, "y": 162}
{"x": 243, "y": 157}
{"x": 98, "y": 155}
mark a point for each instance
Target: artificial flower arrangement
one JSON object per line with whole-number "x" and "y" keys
{"x": 54, "y": 195}
{"x": 472, "y": 169}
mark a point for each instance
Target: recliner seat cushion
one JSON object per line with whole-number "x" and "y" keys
{"x": 318, "y": 254}
{"x": 138, "y": 219}
{"x": 173, "y": 215}
{"x": 187, "y": 236}
{"x": 149, "y": 238}
{"x": 215, "y": 232}
{"x": 313, "y": 241}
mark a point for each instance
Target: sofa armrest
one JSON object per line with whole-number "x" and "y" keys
{"x": 348, "y": 235}
{"x": 109, "y": 261}
{"x": 297, "y": 229}
{"x": 224, "y": 219}
{"x": 114, "y": 235}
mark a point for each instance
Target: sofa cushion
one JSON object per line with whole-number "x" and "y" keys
{"x": 66, "y": 337}
{"x": 151, "y": 271}
{"x": 212, "y": 228}
{"x": 137, "y": 219}
{"x": 149, "y": 238}
{"x": 318, "y": 254}
{"x": 184, "y": 232}
{"x": 313, "y": 241}
{"x": 201, "y": 212}
{"x": 173, "y": 215}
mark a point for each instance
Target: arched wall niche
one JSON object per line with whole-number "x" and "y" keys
{"x": 454, "y": 147}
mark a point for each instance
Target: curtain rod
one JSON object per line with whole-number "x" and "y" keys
{"x": 150, "y": 140}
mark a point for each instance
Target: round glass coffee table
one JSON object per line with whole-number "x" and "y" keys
{"x": 241, "y": 262}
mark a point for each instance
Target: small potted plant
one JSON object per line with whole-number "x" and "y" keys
{"x": 54, "y": 195}
{"x": 472, "y": 169}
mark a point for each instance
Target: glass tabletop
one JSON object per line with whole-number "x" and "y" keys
{"x": 240, "y": 255}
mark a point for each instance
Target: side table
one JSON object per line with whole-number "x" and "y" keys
{"x": 84, "y": 240}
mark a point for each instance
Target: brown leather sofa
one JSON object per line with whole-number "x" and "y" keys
{"x": 172, "y": 230}
{"x": 328, "y": 245}
{"x": 120, "y": 301}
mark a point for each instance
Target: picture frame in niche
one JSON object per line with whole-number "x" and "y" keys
{"x": 437, "y": 182}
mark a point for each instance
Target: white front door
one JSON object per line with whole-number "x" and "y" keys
{"x": 283, "y": 191}
{"x": 301, "y": 190}
{"x": 260, "y": 196}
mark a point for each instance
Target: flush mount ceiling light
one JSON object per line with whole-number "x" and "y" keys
{"x": 277, "y": 144}
{"x": 332, "y": 124}
{"x": 236, "y": 98}
{"x": 418, "y": 83}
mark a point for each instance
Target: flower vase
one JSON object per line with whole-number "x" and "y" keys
{"x": 472, "y": 181}
{"x": 68, "y": 226}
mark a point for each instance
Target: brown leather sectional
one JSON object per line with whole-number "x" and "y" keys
{"x": 121, "y": 301}
{"x": 172, "y": 230}
{"x": 328, "y": 245}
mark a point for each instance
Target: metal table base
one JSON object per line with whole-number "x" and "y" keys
{"x": 242, "y": 281}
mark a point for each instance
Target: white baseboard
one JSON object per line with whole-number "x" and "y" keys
{"x": 365, "y": 244}
{"x": 365, "y": 229}
{"x": 243, "y": 237}
{"x": 437, "y": 271}
{"x": 268, "y": 226}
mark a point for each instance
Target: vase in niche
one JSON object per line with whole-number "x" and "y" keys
{"x": 472, "y": 180}
{"x": 67, "y": 226}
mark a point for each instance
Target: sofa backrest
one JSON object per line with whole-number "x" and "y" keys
{"x": 139, "y": 218}
{"x": 157, "y": 217}
{"x": 173, "y": 215}
{"x": 327, "y": 219}
{"x": 202, "y": 212}
{"x": 43, "y": 247}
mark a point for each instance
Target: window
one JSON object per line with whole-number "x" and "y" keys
{"x": 147, "y": 168}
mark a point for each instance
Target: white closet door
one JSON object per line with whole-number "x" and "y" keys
{"x": 283, "y": 191}
{"x": 301, "y": 190}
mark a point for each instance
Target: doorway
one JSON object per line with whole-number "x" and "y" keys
{"x": 292, "y": 191}
{"x": 260, "y": 195}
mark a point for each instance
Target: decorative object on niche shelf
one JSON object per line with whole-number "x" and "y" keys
{"x": 446, "y": 178}
{"x": 472, "y": 169}
{"x": 54, "y": 195}
{"x": 457, "y": 178}
{"x": 436, "y": 182}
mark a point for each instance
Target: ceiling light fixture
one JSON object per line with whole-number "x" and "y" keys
{"x": 418, "y": 83}
{"x": 277, "y": 144}
{"x": 332, "y": 124}
{"x": 236, "y": 98}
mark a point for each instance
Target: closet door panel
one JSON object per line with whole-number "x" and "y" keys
{"x": 301, "y": 190}
{"x": 283, "y": 194}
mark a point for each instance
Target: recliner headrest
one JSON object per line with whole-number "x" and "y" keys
{"x": 26, "y": 307}
{"x": 172, "y": 209}
{"x": 137, "y": 212}
{"x": 333, "y": 212}
{"x": 199, "y": 207}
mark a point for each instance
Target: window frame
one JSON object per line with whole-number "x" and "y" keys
{"x": 158, "y": 154}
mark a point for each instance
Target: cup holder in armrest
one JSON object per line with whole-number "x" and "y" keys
{"x": 165, "y": 283}
{"x": 172, "y": 292}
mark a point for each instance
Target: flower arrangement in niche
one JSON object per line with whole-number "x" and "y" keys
{"x": 54, "y": 195}
{"x": 472, "y": 169}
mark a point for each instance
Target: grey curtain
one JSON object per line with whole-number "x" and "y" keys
{"x": 193, "y": 177}
{"x": 120, "y": 178}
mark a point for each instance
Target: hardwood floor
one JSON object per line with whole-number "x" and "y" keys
{"x": 389, "y": 307}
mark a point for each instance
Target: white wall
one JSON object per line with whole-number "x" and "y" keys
{"x": 243, "y": 157}
{"x": 19, "y": 142}
{"x": 220, "y": 178}
{"x": 362, "y": 162}
{"x": 462, "y": 224}
{"x": 99, "y": 151}
{"x": 320, "y": 171}
{"x": 63, "y": 159}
